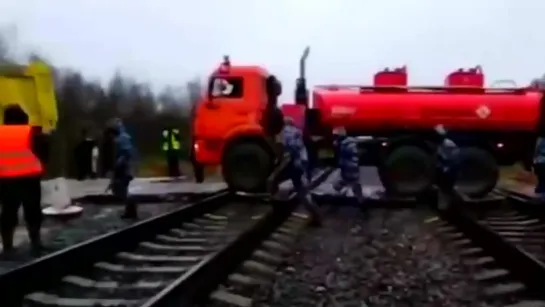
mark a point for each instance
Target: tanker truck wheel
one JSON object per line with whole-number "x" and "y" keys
{"x": 246, "y": 166}
{"x": 407, "y": 171}
{"x": 478, "y": 172}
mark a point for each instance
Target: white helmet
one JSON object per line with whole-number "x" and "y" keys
{"x": 289, "y": 121}
{"x": 340, "y": 131}
{"x": 440, "y": 129}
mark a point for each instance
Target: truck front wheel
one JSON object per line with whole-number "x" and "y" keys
{"x": 246, "y": 167}
{"x": 407, "y": 171}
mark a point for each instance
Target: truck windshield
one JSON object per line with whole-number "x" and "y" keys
{"x": 226, "y": 87}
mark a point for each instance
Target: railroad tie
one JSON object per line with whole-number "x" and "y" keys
{"x": 179, "y": 240}
{"x": 157, "y": 258}
{"x": 470, "y": 251}
{"x": 246, "y": 280}
{"x": 528, "y": 304}
{"x": 488, "y": 275}
{"x": 479, "y": 261}
{"x": 504, "y": 289}
{"x": 226, "y": 297}
{"x": 258, "y": 268}
{"x": 54, "y": 300}
{"x": 267, "y": 257}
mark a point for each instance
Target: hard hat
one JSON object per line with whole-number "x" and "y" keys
{"x": 288, "y": 120}
{"x": 440, "y": 129}
{"x": 449, "y": 143}
{"x": 113, "y": 124}
{"x": 339, "y": 131}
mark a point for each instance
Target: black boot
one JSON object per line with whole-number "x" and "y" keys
{"x": 37, "y": 247}
{"x": 365, "y": 212}
{"x": 130, "y": 210}
{"x": 7, "y": 249}
{"x": 316, "y": 222}
{"x": 7, "y": 237}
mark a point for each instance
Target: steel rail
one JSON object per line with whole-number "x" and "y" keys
{"x": 195, "y": 286}
{"x": 524, "y": 203}
{"x": 521, "y": 264}
{"x": 78, "y": 259}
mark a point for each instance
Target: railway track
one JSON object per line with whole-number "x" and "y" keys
{"x": 177, "y": 258}
{"x": 505, "y": 239}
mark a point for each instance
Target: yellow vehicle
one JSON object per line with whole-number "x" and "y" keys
{"x": 31, "y": 87}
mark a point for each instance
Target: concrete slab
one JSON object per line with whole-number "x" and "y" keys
{"x": 368, "y": 178}
{"x": 176, "y": 187}
{"x": 90, "y": 213}
{"x": 141, "y": 186}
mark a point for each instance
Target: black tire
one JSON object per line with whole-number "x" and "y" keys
{"x": 407, "y": 171}
{"x": 246, "y": 167}
{"x": 478, "y": 172}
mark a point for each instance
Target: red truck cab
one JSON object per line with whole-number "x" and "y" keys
{"x": 235, "y": 122}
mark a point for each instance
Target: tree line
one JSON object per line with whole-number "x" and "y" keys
{"x": 85, "y": 103}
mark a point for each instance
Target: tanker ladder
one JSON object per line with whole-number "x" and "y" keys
{"x": 504, "y": 239}
{"x": 175, "y": 258}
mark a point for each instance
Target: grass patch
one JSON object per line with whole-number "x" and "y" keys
{"x": 157, "y": 167}
{"x": 518, "y": 174}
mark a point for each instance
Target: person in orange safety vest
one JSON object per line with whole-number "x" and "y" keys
{"x": 23, "y": 152}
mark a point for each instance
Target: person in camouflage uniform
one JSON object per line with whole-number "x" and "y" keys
{"x": 348, "y": 161}
{"x": 123, "y": 167}
{"x": 539, "y": 168}
{"x": 448, "y": 156}
{"x": 292, "y": 141}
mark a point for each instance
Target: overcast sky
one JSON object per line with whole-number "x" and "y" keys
{"x": 169, "y": 41}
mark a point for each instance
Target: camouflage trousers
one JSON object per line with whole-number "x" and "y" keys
{"x": 353, "y": 185}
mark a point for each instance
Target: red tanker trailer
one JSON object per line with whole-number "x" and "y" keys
{"x": 385, "y": 107}
{"x": 421, "y": 108}
{"x": 494, "y": 126}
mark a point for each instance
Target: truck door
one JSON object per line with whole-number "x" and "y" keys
{"x": 224, "y": 108}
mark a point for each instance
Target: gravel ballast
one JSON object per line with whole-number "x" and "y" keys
{"x": 390, "y": 259}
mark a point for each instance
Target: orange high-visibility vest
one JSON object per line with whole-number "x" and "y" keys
{"x": 16, "y": 156}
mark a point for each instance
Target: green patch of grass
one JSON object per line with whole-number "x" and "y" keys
{"x": 518, "y": 174}
{"x": 157, "y": 167}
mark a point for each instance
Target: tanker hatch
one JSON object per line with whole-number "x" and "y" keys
{"x": 225, "y": 65}
{"x": 392, "y": 77}
{"x": 473, "y": 77}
